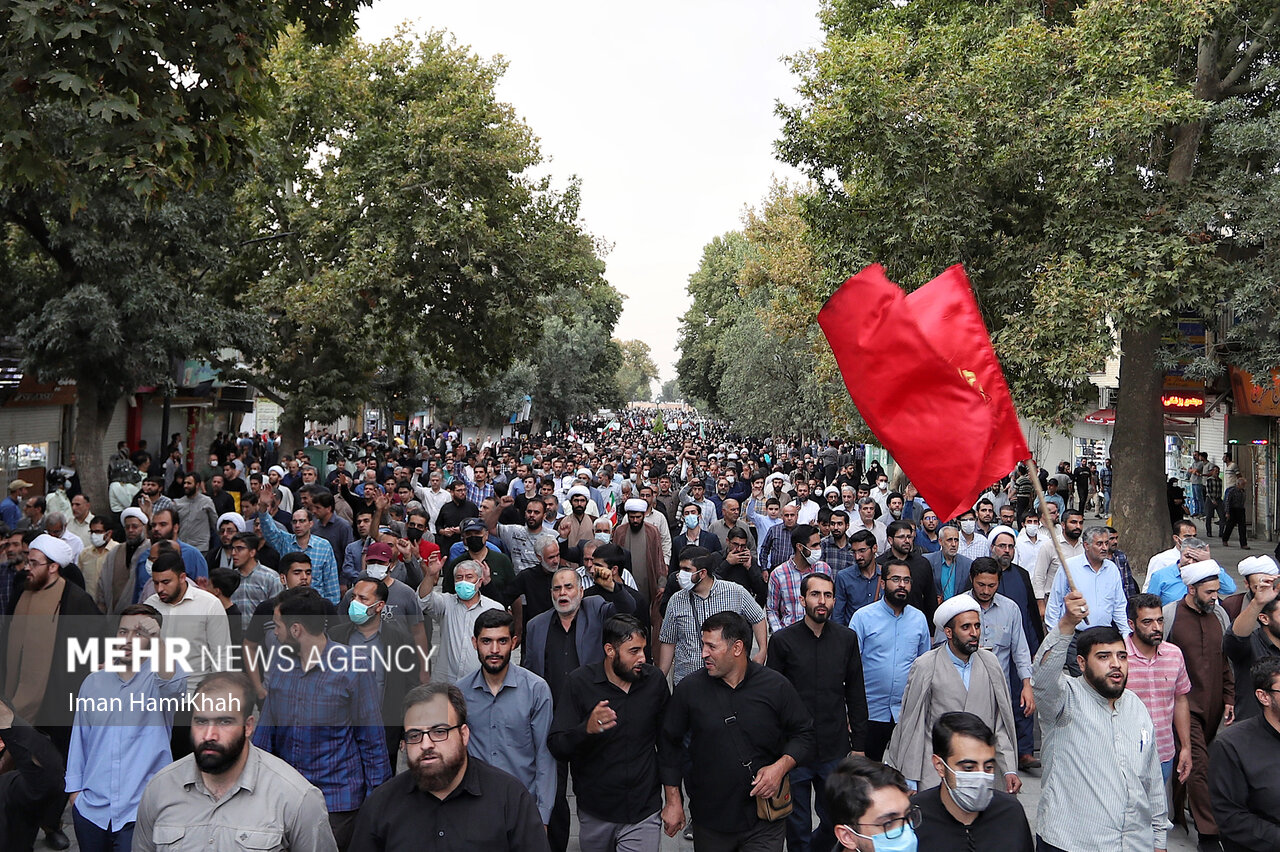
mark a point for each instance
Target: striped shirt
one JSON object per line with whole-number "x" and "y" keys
{"x": 1158, "y": 682}
{"x": 1102, "y": 789}
{"x": 839, "y": 558}
{"x": 261, "y": 584}
{"x": 682, "y": 625}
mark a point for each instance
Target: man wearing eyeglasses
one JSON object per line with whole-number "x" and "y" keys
{"x": 871, "y": 808}
{"x": 447, "y": 799}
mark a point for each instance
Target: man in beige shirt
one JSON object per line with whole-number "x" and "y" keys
{"x": 230, "y": 795}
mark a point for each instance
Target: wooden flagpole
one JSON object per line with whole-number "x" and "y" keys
{"x": 1033, "y": 471}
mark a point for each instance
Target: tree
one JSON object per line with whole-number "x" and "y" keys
{"x": 393, "y": 218}
{"x": 113, "y": 113}
{"x": 670, "y": 391}
{"x": 1100, "y": 168}
{"x": 636, "y": 375}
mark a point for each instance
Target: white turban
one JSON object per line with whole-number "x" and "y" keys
{"x": 830, "y": 489}
{"x": 133, "y": 512}
{"x": 275, "y": 468}
{"x": 635, "y": 504}
{"x": 952, "y": 607}
{"x": 1001, "y": 530}
{"x": 55, "y": 548}
{"x": 1198, "y": 572}
{"x": 234, "y": 518}
{"x": 1258, "y": 565}
{"x": 579, "y": 491}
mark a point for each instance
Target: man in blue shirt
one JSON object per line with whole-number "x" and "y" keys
{"x": 114, "y": 752}
{"x": 891, "y": 635}
{"x": 1167, "y": 583}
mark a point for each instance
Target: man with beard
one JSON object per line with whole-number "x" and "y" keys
{"x": 531, "y": 590}
{"x": 1102, "y": 787}
{"x": 902, "y": 539}
{"x": 518, "y": 540}
{"x": 1197, "y": 625}
{"x": 927, "y": 535}
{"x": 656, "y": 516}
{"x": 860, "y": 583}
{"x": 35, "y": 676}
{"x": 1256, "y": 571}
{"x": 1098, "y": 579}
{"x": 957, "y": 676}
{"x": 821, "y": 659}
{"x": 1045, "y": 572}
{"x": 891, "y": 634}
{"x": 223, "y": 502}
{"x": 1166, "y": 583}
{"x": 1254, "y": 636}
{"x": 163, "y": 526}
{"x": 606, "y": 726}
{"x": 196, "y": 514}
{"x": 229, "y": 794}
{"x": 324, "y": 562}
{"x": 449, "y": 518}
{"x": 643, "y": 541}
{"x": 454, "y": 799}
{"x": 195, "y": 616}
{"x": 229, "y": 524}
{"x": 1004, "y": 635}
{"x": 580, "y": 523}
{"x": 457, "y": 611}
{"x": 561, "y": 639}
{"x": 114, "y": 589}
{"x": 1158, "y": 675}
{"x": 509, "y": 709}
{"x": 322, "y": 712}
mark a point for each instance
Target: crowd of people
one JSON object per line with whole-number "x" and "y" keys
{"x": 376, "y": 644}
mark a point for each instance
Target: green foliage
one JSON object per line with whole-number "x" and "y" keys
{"x": 1095, "y": 170}
{"x": 394, "y": 218}
{"x": 164, "y": 89}
{"x": 637, "y": 372}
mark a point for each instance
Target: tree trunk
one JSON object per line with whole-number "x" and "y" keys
{"x": 290, "y": 429}
{"x": 1138, "y": 496}
{"x": 93, "y": 417}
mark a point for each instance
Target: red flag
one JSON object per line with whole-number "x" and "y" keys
{"x": 922, "y": 373}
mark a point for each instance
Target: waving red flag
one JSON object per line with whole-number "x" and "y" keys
{"x": 923, "y": 374}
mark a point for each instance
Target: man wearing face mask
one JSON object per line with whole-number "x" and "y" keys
{"x": 871, "y": 808}
{"x": 116, "y": 581}
{"x": 499, "y": 574}
{"x": 965, "y": 811}
{"x": 701, "y": 595}
{"x": 957, "y": 675}
{"x": 1026, "y": 546}
{"x": 93, "y": 557}
{"x": 402, "y": 606}
{"x": 692, "y": 534}
{"x": 972, "y": 542}
{"x": 383, "y": 646}
{"x": 784, "y": 605}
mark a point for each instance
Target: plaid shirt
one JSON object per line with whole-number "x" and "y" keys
{"x": 475, "y": 493}
{"x": 776, "y": 547}
{"x": 682, "y": 625}
{"x": 1104, "y": 478}
{"x": 839, "y": 558}
{"x": 784, "y": 606}
{"x": 1126, "y": 575}
{"x": 324, "y": 566}
{"x": 326, "y": 723}
{"x": 1213, "y": 489}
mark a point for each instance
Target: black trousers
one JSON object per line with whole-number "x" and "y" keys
{"x": 1041, "y": 846}
{"x": 763, "y": 837}
{"x": 878, "y": 736}
{"x": 558, "y": 828}
{"x": 1235, "y": 517}
{"x": 51, "y": 815}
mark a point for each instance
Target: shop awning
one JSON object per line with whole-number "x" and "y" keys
{"x": 1104, "y": 416}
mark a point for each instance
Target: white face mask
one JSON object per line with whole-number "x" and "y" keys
{"x": 1033, "y": 530}
{"x": 377, "y": 572}
{"x": 967, "y": 527}
{"x": 98, "y": 539}
{"x": 685, "y": 579}
{"x": 972, "y": 791}
{"x": 883, "y": 486}
{"x": 814, "y": 555}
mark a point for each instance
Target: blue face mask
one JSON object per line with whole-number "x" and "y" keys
{"x": 904, "y": 842}
{"x": 358, "y": 612}
{"x": 464, "y": 590}
{"x": 690, "y": 521}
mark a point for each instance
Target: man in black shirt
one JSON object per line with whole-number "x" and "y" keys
{"x": 446, "y": 800}
{"x": 966, "y": 811}
{"x": 747, "y": 729}
{"x": 606, "y": 726}
{"x": 452, "y": 514}
{"x": 821, "y": 660}
{"x": 902, "y": 538}
{"x": 738, "y": 565}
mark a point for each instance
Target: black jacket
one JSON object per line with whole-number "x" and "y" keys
{"x": 25, "y": 792}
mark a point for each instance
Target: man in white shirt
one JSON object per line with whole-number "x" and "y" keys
{"x": 434, "y": 497}
{"x": 457, "y": 611}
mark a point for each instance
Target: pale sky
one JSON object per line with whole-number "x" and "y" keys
{"x": 664, "y": 110}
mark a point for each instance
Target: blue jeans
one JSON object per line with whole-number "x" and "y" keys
{"x": 801, "y": 836}
{"x": 93, "y": 839}
{"x": 1197, "y": 499}
{"x": 1166, "y": 769}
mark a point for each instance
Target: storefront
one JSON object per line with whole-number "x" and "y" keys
{"x": 32, "y": 417}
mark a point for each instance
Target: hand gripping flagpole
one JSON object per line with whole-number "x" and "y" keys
{"x": 1033, "y": 471}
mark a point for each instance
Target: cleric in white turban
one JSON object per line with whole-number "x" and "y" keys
{"x": 644, "y": 542}
{"x": 1257, "y": 571}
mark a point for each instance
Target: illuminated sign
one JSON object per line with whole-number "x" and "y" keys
{"x": 1183, "y": 403}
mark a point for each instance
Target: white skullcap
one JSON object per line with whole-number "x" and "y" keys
{"x": 275, "y": 468}
{"x": 1197, "y": 572}
{"x": 582, "y": 471}
{"x": 830, "y": 489}
{"x": 133, "y": 512}
{"x": 568, "y": 482}
{"x": 635, "y": 504}
{"x": 233, "y": 517}
{"x": 1001, "y": 530}
{"x": 55, "y": 549}
{"x": 1259, "y": 565}
{"x": 952, "y": 607}
{"x": 579, "y": 491}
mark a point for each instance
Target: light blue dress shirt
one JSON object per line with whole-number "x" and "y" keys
{"x": 890, "y": 644}
{"x": 1167, "y": 583}
{"x": 120, "y": 743}
{"x": 963, "y": 667}
{"x": 1103, "y": 592}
